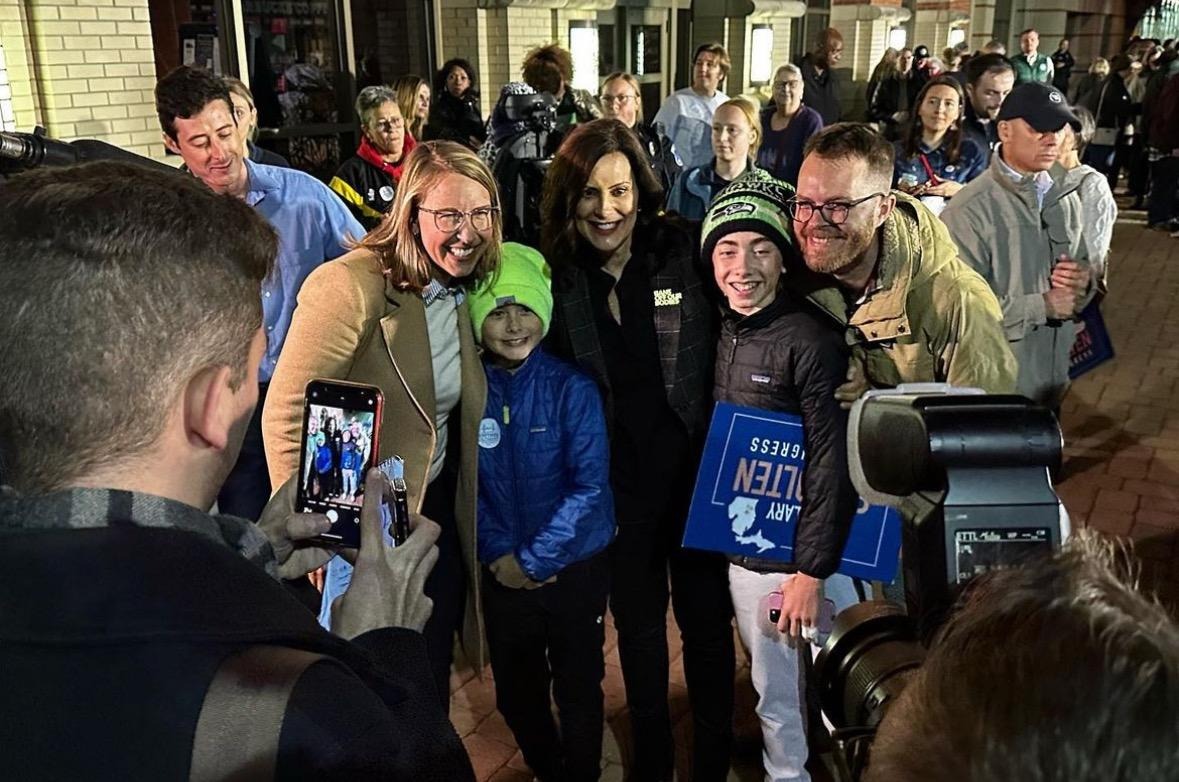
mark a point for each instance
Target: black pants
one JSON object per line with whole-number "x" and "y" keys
{"x": 447, "y": 583}
{"x": 1164, "y": 183}
{"x": 642, "y": 557}
{"x": 551, "y": 638}
{"x": 247, "y": 487}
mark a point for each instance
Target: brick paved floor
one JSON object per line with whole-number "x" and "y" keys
{"x": 1121, "y": 475}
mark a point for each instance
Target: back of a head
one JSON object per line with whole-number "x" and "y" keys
{"x": 546, "y": 67}
{"x": 1057, "y": 671}
{"x": 977, "y": 67}
{"x": 117, "y": 285}
{"x": 856, "y": 141}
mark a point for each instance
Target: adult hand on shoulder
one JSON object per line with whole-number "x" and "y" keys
{"x": 800, "y": 604}
{"x": 292, "y": 534}
{"x": 856, "y": 385}
{"x": 388, "y": 584}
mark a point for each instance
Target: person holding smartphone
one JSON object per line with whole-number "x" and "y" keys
{"x": 393, "y": 314}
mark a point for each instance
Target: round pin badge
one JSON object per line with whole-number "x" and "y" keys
{"x": 489, "y": 433}
{"x": 386, "y": 193}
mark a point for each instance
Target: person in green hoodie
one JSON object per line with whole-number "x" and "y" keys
{"x": 882, "y": 265}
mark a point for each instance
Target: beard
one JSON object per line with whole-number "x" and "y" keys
{"x": 852, "y": 241}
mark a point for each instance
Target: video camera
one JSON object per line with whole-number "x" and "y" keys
{"x": 537, "y": 111}
{"x": 23, "y": 151}
{"x": 970, "y": 474}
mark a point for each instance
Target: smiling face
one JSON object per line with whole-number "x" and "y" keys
{"x": 939, "y": 108}
{"x": 457, "y": 81}
{"x": 455, "y": 253}
{"x": 787, "y": 91}
{"x": 212, "y": 148}
{"x": 731, "y": 134}
{"x": 609, "y": 205}
{"x": 1027, "y": 150}
{"x": 510, "y": 333}
{"x": 838, "y": 249}
{"x": 747, "y": 267}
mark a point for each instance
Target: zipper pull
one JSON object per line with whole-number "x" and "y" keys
{"x": 507, "y": 416}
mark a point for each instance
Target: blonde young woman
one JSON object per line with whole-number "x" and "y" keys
{"x": 736, "y": 135}
{"x": 392, "y": 313}
{"x": 413, "y": 97}
{"x": 245, "y": 113}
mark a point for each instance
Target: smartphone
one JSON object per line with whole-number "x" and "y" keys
{"x": 340, "y": 441}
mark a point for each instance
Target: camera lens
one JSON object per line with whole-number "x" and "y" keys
{"x": 868, "y": 658}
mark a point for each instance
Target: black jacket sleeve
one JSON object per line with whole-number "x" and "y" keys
{"x": 380, "y": 720}
{"x": 829, "y": 498}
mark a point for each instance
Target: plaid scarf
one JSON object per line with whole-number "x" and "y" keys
{"x": 97, "y": 508}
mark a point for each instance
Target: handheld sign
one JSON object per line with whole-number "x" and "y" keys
{"x": 749, "y": 494}
{"x": 1093, "y": 346}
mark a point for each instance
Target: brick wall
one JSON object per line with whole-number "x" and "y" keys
{"x": 88, "y": 70}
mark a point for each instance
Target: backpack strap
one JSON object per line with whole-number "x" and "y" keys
{"x": 241, "y": 718}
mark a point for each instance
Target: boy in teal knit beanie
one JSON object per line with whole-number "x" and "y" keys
{"x": 546, "y": 516}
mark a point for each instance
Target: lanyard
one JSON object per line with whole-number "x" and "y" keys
{"x": 933, "y": 178}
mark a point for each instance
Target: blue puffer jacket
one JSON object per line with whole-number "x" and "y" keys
{"x": 544, "y": 467}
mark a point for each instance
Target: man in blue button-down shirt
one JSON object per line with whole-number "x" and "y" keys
{"x": 313, "y": 226}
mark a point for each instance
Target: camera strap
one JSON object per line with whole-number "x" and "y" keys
{"x": 241, "y": 718}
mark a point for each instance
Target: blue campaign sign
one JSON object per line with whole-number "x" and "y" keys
{"x": 749, "y": 494}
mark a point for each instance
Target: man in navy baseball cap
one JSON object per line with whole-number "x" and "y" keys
{"x": 1041, "y": 106}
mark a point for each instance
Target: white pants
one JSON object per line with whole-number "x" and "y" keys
{"x": 776, "y": 669}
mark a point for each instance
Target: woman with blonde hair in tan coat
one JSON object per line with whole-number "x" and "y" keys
{"x": 392, "y": 313}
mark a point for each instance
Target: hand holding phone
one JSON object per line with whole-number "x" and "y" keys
{"x": 388, "y": 583}
{"x": 340, "y": 442}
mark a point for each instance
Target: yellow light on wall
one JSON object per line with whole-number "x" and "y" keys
{"x": 7, "y": 112}
{"x": 583, "y": 45}
{"x": 761, "y": 54}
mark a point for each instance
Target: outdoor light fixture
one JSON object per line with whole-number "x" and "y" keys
{"x": 897, "y": 38}
{"x": 583, "y": 45}
{"x": 761, "y": 63}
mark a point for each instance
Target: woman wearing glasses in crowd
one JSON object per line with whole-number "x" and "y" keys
{"x": 368, "y": 182}
{"x": 934, "y": 158}
{"x": 736, "y": 133}
{"x": 245, "y": 112}
{"x": 630, "y": 309}
{"x": 392, "y": 313}
{"x": 786, "y": 124}
{"x": 622, "y": 100}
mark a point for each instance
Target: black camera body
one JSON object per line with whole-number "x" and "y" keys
{"x": 971, "y": 475}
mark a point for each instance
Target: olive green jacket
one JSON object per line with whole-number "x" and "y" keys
{"x": 927, "y": 317}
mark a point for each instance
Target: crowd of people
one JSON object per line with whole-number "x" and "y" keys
{"x": 550, "y": 401}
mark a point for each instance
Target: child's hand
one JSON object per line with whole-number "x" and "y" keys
{"x": 507, "y": 571}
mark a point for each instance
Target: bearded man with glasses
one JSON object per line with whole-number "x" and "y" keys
{"x": 882, "y": 265}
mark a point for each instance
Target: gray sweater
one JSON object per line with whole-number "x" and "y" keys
{"x": 1011, "y": 239}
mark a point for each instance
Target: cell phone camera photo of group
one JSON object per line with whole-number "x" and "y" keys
{"x": 337, "y": 448}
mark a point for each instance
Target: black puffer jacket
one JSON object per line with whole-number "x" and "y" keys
{"x": 786, "y": 359}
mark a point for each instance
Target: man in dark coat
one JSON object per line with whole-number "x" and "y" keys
{"x": 820, "y": 81}
{"x": 144, "y": 639}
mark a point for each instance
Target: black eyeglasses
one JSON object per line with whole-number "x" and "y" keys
{"x": 834, "y": 212}
{"x": 451, "y": 220}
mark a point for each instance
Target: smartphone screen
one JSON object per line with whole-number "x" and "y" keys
{"x": 339, "y": 444}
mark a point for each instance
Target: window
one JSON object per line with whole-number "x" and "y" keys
{"x": 7, "y": 113}
{"x": 761, "y": 54}
{"x": 583, "y": 45}
{"x": 646, "y": 44}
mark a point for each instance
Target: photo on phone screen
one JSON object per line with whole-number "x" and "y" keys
{"x": 339, "y": 439}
